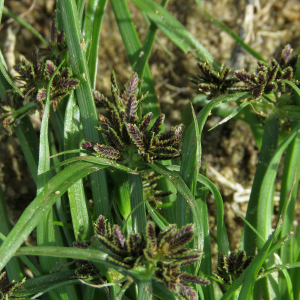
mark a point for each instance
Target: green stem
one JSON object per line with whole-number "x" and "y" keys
{"x": 14, "y": 267}
{"x": 69, "y": 15}
{"x": 93, "y": 21}
{"x": 269, "y": 144}
{"x": 206, "y": 266}
{"x": 141, "y": 65}
{"x": 29, "y": 143}
{"x": 24, "y": 109}
{"x": 121, "y": 195}
{"x": 136, "y": 197}
{"x": 290, "y": 171}
{"x": 145, "y": 289}
{"x": 147, "y": 46}
{"x": 81, "y": 220}
{"x": 1, "y": 8}
{"x": 45, "y": 228}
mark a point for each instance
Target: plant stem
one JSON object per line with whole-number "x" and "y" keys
{"x": 69, "y": 15}
{"x": 145, "y": 289}
{"x": 291, "y": 170}
{"x": 269, "y": 144}
{"x": 14, "y": 267}
{"x": 30, "y": 144}
{"x": 136, "y": 199}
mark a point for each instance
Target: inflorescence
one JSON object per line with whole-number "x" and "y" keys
{"x": 232, "y": 266}
{"x": 160, "y": 256}
{"x": 265, "y": 79}
{"x": 34, "y": 78}
{"x": 127, "y": 134}
{"x": 163, "y": 255}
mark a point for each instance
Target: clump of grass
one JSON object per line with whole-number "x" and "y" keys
{"x": 136, "y": 251}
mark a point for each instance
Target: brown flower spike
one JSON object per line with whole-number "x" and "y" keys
{"x": 34, "y": 78}
{"x": 231, "y": 266}
{"x": 126, "y": 134}
{"x": 265, "y": 79}
{"x": 160, "y": 255}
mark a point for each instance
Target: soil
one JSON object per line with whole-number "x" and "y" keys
{"x": 229, "y": 150}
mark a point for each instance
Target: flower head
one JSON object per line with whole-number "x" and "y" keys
{"x": 36, "y": 76}
{"x": 128, "y": 137}
{"x": 211, "y": 82}
{"x": 161, "y": 255}
{"x": 265, "y": 79}
{"x": 232, "y": 266}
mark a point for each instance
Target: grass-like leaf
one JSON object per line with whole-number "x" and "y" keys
{"x": 41, "y": 204}
{"x": 45, "y": 228}
{"x": 225, "y": 28}
{"x": 92, "y": 26}
{"x": 265, "y": 201}
{"x": 22, "y": 22}
{"x": 14, "y": 268}
{"x": 81, "y": 220}
{"x": 67, "y": 11}
{"x": 181, "y": 187}
{"x": 174, "y": 30}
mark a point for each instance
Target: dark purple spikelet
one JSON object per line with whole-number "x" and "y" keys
{"x": 88, "y": 145}
{"x": 193, "y": 279}
{"x": 119, "y": 238}
{"x": 131, "y": 110}
{"x": 247, "y": 262}
{"x": 287, "y": 73}
{"x": 130, "y": 88}
{"x": 107, "y": 151}
{"x": 49, "y": 69}
{"x": 136, "y": 137}
{"x": 157, "y": 125}
{"x": 100, "y": 226}
{"x": 71, "y": 83}
{"x": 182, "y": 237}
{"x": 41, "y": 94}
{"x": 105, "y": 124}
{"x": 114, "y": 139}
{"x": 151, "y": 237}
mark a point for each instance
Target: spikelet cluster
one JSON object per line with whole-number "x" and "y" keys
{"x": 126, "y": 134}
{"x": 231, "y": 267}
{"x": 265, "y": 79}
{"x": 34, "y": 78}
{"x": 164, "y": 254}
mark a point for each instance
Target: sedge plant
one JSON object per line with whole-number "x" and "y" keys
{"x": 133, "y": 189}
